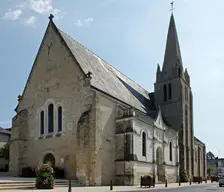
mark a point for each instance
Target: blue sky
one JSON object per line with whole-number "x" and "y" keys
{"x": 131, "y": 35}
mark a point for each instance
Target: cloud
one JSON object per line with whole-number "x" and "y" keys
{"x": 78, "y": 23}
{"x": 12, "y": 15}
{"x": 43, "y": 7}
{"x": 88, "y": 21}
{"x": 38, "y": 7}
{"x": 85, "y": 22}
{"x": 31, "y": 21}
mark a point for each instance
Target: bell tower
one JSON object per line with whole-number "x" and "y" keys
{"x": 173, "y": 94}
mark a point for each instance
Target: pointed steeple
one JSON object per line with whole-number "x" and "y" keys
{"x": 158, "y": 73}
{"x": 172, "y": 64}
{"x": 158, "y": 68}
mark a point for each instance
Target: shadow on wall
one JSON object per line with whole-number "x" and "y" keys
{"x": 108, "y": 148}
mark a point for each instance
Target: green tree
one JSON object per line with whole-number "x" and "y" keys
{"x": 210, "y": 155}
{"x": 4, "y": 151}
{"x": 210, "y": 170}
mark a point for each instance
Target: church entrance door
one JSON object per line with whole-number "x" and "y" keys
{"x": 159, "y": 163}
{"x": 50, "y": 160}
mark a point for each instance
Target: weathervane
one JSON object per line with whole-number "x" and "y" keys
{"x": 172, "y": 7}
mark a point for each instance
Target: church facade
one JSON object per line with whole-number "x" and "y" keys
{"x": 79, "y": 113}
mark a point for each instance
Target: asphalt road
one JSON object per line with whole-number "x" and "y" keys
{"x": 193, "y": 188}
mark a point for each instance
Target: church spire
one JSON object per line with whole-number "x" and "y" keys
{"x": 172, "y": 60}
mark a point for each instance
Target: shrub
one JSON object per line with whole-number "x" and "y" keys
{"x": 184, "y": 176}
{"x": 45, "y": 178}
{"x": 4, "y": 151}
{"x": 28, "y": 172}
{"x": 59, "y": 173}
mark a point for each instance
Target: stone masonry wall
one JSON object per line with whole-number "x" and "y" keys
{"x": 56, "y": 78}
{"x": 200, "y": 168}
{"x": 105, "y": 139}
{"x": 18, "y": 142}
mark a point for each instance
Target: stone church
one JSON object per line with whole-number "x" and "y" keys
{"x": 79, "y": 113}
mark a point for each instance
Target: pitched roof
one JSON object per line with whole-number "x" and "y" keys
{"x": 5, "y": 131}
{"x": 106, "y": 78}
{"x": 198, "y": 140}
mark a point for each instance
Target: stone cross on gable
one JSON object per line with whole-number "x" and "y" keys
{"x": 51, "y": 17}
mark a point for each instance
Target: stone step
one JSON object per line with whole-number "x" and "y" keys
{"x": 31, "y": 185}
{"x": 31, "y": 182}
{"x": 17, "y": 188}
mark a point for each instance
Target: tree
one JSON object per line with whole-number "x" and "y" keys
{"x": 184, "y": 176}
{"x": 210, "y": 155}
{"x": 4, "y": 151}
{"x": 210, "y": 170}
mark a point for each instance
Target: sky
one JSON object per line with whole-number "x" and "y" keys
{"x": 130, "y": 35}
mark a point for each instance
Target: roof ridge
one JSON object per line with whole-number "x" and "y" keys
{"x": 104, "y": 60}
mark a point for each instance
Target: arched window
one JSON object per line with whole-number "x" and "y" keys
{"x": 42, "y": 122}
{"x": 196, "y": 154}
{"x": 186, "y": 93}
{"x": 171, "y": 152}
{"x": 143, "y": 144}
{"x": 179, "y": 72}
{"x": 170, "y": 91}
{"x": 50, "y": 118}
{"x": 59, "y": 119}
{"x": 164, "y": 92}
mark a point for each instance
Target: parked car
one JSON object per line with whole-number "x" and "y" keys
{"x": 221, "y": 180}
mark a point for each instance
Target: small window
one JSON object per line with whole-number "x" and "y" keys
{"x": 171, "y": 153}
{"x": 186, "y": 94}
{"x": 196, "y": 155}
{"x": 127, "y": 144}
{"x": 144, "y": 144}
{"x": 179, "y": 72}
{"x": 42, "y": 122}
{"x": 59, "y": 119}
{"x": 170, "y": 91}
{"x": 165, "y": 92}
{"x": 50, "y": 118}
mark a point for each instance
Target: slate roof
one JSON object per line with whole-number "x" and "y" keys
{"x": 108, "y": 79}
{"x": 5, "y": 131}
{"x": 172, "y": 53}
{"x": 199, "y": 140}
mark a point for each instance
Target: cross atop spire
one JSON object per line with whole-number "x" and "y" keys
{"x": 172, "y": 8}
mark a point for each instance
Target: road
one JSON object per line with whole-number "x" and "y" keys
{"x": 193, "y": 188}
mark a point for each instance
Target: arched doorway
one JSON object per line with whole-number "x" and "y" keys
{"x": 159, "y": 163}
{"x": 49, "y": 159}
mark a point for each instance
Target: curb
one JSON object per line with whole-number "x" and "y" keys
{"x": 159, "y": 188}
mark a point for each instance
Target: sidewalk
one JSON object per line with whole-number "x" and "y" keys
{"x": 115, "y": 188}
{"x": 130, "y": 188}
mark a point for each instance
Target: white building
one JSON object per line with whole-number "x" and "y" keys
{"x": 152, "y": 148}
